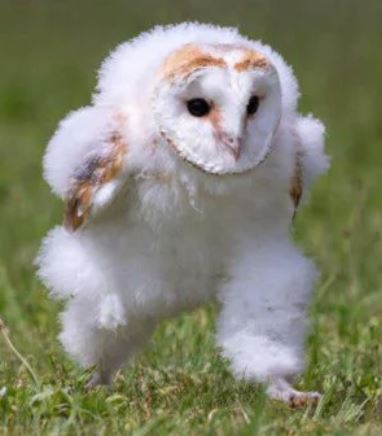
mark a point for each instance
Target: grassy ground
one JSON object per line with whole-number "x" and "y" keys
{"x": 49, "y": 53}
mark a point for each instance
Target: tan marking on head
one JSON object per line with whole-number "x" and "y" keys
{"x": 251, "y": 59}
{"x": 188, "y": 59}
{"x": 214, "y": 117}
{"x": 80, "y": 196}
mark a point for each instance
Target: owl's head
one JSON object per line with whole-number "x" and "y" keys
{"x": 218, "y": 106}
{"x": 216, "y": 97}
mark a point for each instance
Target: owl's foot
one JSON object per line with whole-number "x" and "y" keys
{"x": 99, "y": 378}
{"x": 281, "y": 390}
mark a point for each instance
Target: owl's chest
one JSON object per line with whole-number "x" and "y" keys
{"x": 185, "y": 200}
{"x": 171, "y": 204}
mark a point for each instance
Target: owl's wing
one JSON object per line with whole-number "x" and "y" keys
{"x": 84, "y": 162}
{"x": 311, "y": 160}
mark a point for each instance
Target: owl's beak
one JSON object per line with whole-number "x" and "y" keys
{"x": 233, "y": 144}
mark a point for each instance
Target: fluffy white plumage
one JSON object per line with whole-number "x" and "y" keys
{"x": 166, "y": 210}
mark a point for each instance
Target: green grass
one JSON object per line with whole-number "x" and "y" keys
{"x": 50, "y": 51}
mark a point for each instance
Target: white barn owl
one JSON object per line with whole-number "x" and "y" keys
{"x": 181, "y": 181}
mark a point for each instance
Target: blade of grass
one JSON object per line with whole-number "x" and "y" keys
{"x": 5, "y": 333}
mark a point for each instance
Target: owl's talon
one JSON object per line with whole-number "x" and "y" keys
{"x": 299, "y": 400}
{"x": 281, "y": 390}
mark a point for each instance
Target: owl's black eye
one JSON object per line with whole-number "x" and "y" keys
{"x": 253, "y": 105}
{"x": 198, "y": 107}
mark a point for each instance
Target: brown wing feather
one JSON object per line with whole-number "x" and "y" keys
{"x": 96, "y": 172}
{"x": 295, "y": 190}
{"x": 296, "y": 187}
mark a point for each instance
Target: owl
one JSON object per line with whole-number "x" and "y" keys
{"x": 180, "y": 181}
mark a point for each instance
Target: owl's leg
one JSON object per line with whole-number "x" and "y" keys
{"x": 117, "y": 349}
{"x": 96, "y": 329}
{"x": 104, "y": 340}
{"x": 263, "y": 319}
